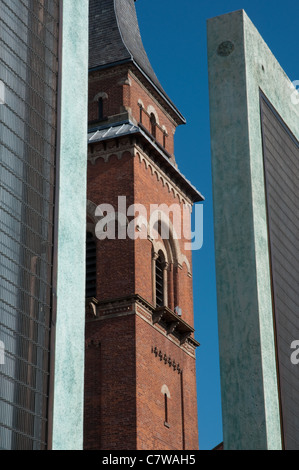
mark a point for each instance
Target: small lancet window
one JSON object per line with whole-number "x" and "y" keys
{"x": 166, "y": 408}
{"x": 153, "y": 123}
{"x": 100, "y": 108}
{"x": 166, "y": 396}
{"x": 91, "y": 266}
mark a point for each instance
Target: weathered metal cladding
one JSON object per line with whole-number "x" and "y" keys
{"x": 281, "y": 163}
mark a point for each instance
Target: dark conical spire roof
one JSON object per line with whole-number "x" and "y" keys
{"x": 114, "y": 37}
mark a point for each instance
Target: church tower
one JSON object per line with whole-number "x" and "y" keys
{"x": 140, "y": 381}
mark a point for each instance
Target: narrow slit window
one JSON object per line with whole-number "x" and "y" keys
{"x": 166, "y": 408}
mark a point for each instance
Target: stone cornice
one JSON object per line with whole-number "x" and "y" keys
{"x": 163, "y": 319}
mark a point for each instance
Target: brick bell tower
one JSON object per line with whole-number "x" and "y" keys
{"x": 140, "y": 383}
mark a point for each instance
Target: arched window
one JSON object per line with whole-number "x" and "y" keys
{"x": 100, "y": 108}
{"x": 166, "y": 394}
{"x": 160, "y": 280}
{"x": 153, "y": 122}
{"x": 91, "y": 266}
{"x": 167, "y": 250}
{"x": 166, "y": 408}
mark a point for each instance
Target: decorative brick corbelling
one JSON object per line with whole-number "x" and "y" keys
{"x": 162, "y": 176}
{"x": 106, "y": 155}
{"x": 136, "y": 150}
{"x": 167, "y": 360}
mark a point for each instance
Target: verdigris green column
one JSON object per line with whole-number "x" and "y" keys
{"x": 68, "y": 382}
{"x": 240, "y": 65}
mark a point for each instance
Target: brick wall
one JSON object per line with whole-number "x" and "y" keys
{"x": 115, "y": 258}
{"x": 148, "y": 190}
{"x": 124, "y": 93}
{"x": 152, "y": 374}
{"x": 110, "y": 385}
{"x": 124, "y": 403}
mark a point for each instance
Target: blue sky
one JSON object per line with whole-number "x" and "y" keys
{"x": 174, "y": 36}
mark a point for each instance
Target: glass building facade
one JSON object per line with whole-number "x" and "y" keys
{"x": 29, "y": 47}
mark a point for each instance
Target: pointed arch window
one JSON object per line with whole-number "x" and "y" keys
{"x": 91, "y": 266}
